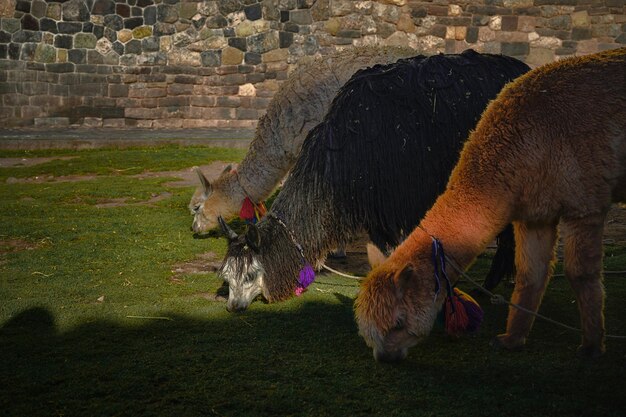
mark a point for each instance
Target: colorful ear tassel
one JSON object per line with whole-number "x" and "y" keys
{"x": 251, "y": 212}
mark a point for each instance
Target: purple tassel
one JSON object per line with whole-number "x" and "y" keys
{"x": 307, "y": 276}
{"x": 473, "y": 310}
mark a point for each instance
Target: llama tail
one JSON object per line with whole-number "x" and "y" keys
{"x": 503, "y": 263}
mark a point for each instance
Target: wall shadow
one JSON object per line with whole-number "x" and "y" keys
{"x": 305, "y": 362}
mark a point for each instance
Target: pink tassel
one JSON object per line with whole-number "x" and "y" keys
{"x": 305, "y": 278}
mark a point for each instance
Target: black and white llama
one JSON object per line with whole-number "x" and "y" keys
{"x": 377, "y": 162}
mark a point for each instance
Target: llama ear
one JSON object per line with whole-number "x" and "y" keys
{"x": 374, "y": 255}
{"x": 228, "y": 168}
{"x": 208, "y": 189}
{"x": 253, "y": 237}
{"x": 230, "y": 233}
{"x": 402, "y": 280}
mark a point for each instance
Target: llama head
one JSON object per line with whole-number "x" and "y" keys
{"x": 242, "y": 268}
{"x": 395, "y": 310}
{"x": 210, "y": 200}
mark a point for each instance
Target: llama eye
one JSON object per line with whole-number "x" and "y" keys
{"x": 399, "y": 324}
{"x": 249, "y": 277}
{"x": 196, "y": 208}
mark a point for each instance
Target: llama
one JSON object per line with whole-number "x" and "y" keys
{"x": 390, "y": 139}
{"x": 550, "y": 149}
{"x": 300, "y": 103}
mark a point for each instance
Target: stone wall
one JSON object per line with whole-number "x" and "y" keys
{"x": 169, "y": 63}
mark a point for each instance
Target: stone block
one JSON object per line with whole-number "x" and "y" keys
{"x": 580, "y": 33}
{"x": 113, "y": 22}
{"x": 167, "y": 13}
{"x": 116, "y": 123}
{"x": 301, "y": 17}
{"x": 185, "y": 79}
{"x": 118, "y": 90}
{"x": 23, "y": 6}
{"x": 52, "y": 122}
{"x": 133, "y": 47}
{"x": 77, "y": 56}
{"x": 69, "y": 27}
{"x": 92, "y": 122}
{"x": 277, "y": 55}
{"x": 515, "y": 48}
{"x": 32, "y": 88}
{"x": 539, "y": 56}
{"x": 203, "y": 101}
{"x": 180, "y": 89}
{"x": 133, "y": 22}
{"x": 263, "y": 42}
{"x": 509, "y": 23}
{"x": 253, "y": 58}
{"x": 29, "y": 22}
{"x": 54, "y": 11}
{"x": 45, "y": 53}
{"x": 246, "y": 114}
{"x": 75, "y": 11}
{"x": 93, "y": 90}
{"x": 85, "y": 40}
{"x": 526, "y": 23}
{"x": 472, "y": 34}
{"x": 485, "y": 34}
{"x": 150, "y": 15}
{"x": 103, "y": 7}
{"x": 142, "y": 32}
{"x": 232, "y": 56}
{"x": 239, "y": 43}
{"x": 10, "y": 25}
{"x": 140, "y": 91}
{"x": 253, "y": 11}
{"x": 560, "y": 22}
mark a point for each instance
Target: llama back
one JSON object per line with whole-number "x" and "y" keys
{"x": 577, "y": 138}
{"x": 301, "y": 103}
{"x": 392, "y": 136}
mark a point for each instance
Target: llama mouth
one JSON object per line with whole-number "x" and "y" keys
{"x": 206, "y": 235}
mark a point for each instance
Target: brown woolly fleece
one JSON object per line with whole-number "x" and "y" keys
{"x": 549, "y": 151}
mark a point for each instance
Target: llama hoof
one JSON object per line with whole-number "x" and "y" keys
{"x": 504, "y": 341}
{"x": 590, "y": 351}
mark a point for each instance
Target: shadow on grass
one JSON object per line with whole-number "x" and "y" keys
{"x": 308, "y": 361}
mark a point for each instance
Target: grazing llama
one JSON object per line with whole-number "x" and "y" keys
{"x": 550, "y": 150}
{"x": 376, "y": 163}
{"x": 300, "y": 103}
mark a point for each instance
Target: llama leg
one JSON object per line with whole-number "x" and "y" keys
{"x": 583, "y": 268}
{"x": 534, "y": 255}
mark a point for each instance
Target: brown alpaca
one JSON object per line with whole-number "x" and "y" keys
{"x": 549, "y": 150}
{"x": 300, "y": 103}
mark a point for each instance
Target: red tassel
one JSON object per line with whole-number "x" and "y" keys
{"x": 455, "y": 316}
{"x": 247, "y": 210}
{"x": 461, "y": 313}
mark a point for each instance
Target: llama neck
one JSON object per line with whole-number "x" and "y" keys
{"x": 256, "y": 180}
{"x": 464, "y": 227}
{"x": 270, "y": 156}
{"x": 310, "y": 220}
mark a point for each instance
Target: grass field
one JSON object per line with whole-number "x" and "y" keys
{"x": 92, "y": 322}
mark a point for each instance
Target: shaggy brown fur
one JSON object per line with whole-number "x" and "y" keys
{"x": 300, "y": 103}
{"x": 550, "y": 149}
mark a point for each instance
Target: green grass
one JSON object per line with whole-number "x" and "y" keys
{"x": 66, "y": 350}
